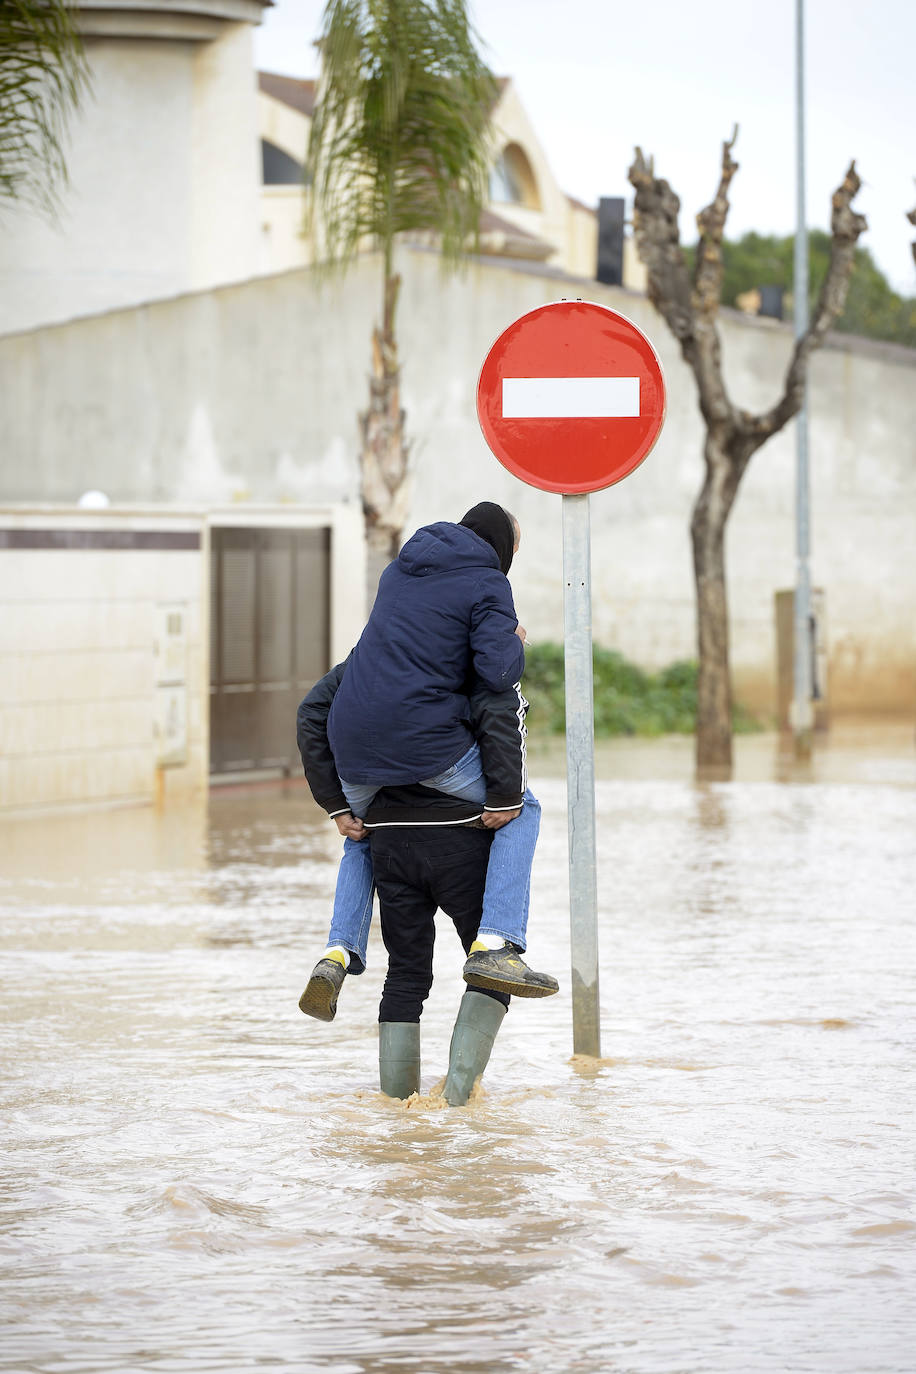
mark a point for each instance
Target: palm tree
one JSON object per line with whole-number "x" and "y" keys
{"x": 43, "y": 74}
{"x": 399, "y": 144}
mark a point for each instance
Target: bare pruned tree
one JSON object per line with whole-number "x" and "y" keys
{"x": 689, "y": 301}
{"x": 911, "y": 216}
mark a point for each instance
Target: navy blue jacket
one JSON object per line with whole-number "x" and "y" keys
{"x": 498, "y": 724}
{"x": 443, "y": 614}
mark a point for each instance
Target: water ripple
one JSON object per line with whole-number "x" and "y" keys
{"x": 197, "y": 1178}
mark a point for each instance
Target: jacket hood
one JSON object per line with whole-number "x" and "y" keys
{"x": 445, "y": 547}
{"x": 494, "y": 524}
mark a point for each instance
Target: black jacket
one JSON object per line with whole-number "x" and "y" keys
{"x": 498, "y": 723}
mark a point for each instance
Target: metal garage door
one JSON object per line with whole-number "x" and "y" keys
{"x": 269, "y": 641}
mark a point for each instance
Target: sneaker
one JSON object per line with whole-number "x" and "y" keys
{"x": 320, "y": 997}
{"x": 504, "y": 970}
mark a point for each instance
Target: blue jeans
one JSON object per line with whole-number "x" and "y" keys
{"x": 508, "y": 889}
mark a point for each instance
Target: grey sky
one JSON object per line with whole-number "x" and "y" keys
{"x": 599, "y": 76}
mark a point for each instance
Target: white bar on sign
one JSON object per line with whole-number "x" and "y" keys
{"x": 572, "y": 398}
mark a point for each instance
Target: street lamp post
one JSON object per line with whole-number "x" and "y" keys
{"x": 801, "y": 715}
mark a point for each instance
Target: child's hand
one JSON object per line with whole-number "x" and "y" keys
{"x": 521, "y": 632}
{"x": 350, "y": 827}
{"x": 495, "y": 820}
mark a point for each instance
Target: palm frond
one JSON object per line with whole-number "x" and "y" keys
{"x": 399, "y": 139}
{"x": 43, "y": 75}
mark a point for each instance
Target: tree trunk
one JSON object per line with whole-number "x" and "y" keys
{"x": 383, "y": 460}
{"x": 707, "y": 530}
{"x": 689, "y": 304}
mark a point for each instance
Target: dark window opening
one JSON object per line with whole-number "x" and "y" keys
{"x": 269, "y": 642}
{"x": 278, "y": 168}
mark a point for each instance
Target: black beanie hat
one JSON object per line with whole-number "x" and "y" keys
{"x": 494, "y": 524}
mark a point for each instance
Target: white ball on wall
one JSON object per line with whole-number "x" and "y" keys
{"x": 93, "y": 500}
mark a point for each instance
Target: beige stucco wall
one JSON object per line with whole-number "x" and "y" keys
{"x": 164, "y": 170}
{"x": 83, "y": 693}
{"x": 581, "y": 253}
{"x": 98, "y": 703}
{"x": 549, "y": 220}
{"x": 225, "y": 160}
{"x": 284, "y": 243}
{"x": 252, "y": 392}
{"x": 581, "y": 239}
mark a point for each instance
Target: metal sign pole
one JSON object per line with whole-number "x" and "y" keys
{"x": 571, "y": 397}
{"x": 580, "y": 772}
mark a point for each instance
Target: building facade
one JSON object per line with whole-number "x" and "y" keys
{"x": 529, "y": 218}
{"x": 144, "y": 650}
{"x": 168, "y": 347}
{"x": 163, "y": 161}
{"x": 186, "y": 171}
{"x": 252, "y": 411}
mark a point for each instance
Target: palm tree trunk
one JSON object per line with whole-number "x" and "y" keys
{"x": 384, "y": 447}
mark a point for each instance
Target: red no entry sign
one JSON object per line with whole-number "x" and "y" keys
{"x": 571, "y": 397}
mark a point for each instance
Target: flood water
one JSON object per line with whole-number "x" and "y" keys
{"x": 198, "y": 1178}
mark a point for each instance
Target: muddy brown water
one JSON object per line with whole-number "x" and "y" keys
{"x": 197, "y": 1178}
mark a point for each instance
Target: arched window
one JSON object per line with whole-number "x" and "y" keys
{"x": 278, "y": 168}
{"x": 512, "y": 181}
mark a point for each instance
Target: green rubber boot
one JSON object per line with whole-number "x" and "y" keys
{"x": 479, "y": 1018}
{"x": 399, "y": 1058}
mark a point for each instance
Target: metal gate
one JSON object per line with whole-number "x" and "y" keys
{"x": 269, "y": 642}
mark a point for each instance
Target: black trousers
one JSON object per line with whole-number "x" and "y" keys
{"x": 418, "y": 869}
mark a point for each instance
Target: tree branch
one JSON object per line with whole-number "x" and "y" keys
{"x": 707, "y": 268}
{"x": 658, "y": 243}
{"x": 845, "y": 226}
{"x": 689, "y": 309}
{"x": 911, "y": 216}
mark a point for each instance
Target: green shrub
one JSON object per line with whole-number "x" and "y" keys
{"x": 628, "y": 701}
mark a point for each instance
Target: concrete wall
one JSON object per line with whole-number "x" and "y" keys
{"x": 284, "y": 243}
{"x": 224, "y": 160}
{"x": 93, "y": 705}
{"x": 104, "y": 647}
{"x": 251, "y": 393}
{"x": 164, "y": 170}
{"x": 549, "y": 219}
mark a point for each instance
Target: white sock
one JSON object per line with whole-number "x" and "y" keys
{"x": 338, "y": 949}
{"x": 490, "y": 941}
